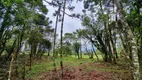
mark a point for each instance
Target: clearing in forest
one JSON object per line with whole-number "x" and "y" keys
{"x": 79, "y": 69}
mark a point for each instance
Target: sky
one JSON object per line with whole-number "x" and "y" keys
{"x": 70, "y": 24}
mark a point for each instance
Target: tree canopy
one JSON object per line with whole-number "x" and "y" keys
{"x": 110, "y": 28}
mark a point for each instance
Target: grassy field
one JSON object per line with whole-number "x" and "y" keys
{"x": 46, "y": 64}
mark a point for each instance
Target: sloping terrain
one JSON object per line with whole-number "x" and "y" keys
{"x": 89, "y": 71}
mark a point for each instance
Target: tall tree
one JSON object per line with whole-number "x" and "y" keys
{"x": 62, "y": 23}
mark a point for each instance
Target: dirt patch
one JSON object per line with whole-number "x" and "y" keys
{"x": 83, "y": 73}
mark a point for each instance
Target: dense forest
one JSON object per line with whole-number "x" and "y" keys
{"x": 107, "y": 47}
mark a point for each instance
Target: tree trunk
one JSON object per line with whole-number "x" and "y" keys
{"x": 114, "y": 51}
{"x": 95, "y": 53}
{"x": 89, "y": 55}
{"x": 80, "y": 49}
{"x": 78, "y": 55}
{"x": 140, "y": 58}
{"x": 11, "y": 66}
{"x": 62, "y": 24}
{"x": 24, "y": 67}
{"x": 31, "y": 58}
{"x": 54, "y": 52}
{"x": 131, "y": 40}
{"x": 57, "y": 17}
{"x": 140, "y": 49}
{"x": 48, "y": 52}
{"x": 106, "y": 57}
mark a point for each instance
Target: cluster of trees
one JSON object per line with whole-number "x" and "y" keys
{"x": 25, "y": 32}
{"x": 75, "y": 44}
{"x": 113, "y": 21}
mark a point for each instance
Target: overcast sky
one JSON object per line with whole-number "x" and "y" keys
{"x": 70, "y": 24}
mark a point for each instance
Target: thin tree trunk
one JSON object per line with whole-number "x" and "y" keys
{"x": 24, "y": 68}
{"x": 87, "y": 50}
{"x": 54, "y": 53}
{"x": 11, "y": 66}
{"x": 30, "y": 68}
{"x": 62, "y": 24}
{"x": 48, "y": 52}
{"x": 107, "y": 40}
{"x": 80, "y": 49}
{"x": 140, "y": 58}
{"x": 110, "y": 51}
{"x": 106, "y": 57}
{"x": 88, "y": 53}
{"x": 20, "y": 38}
{"x": 78, "y": 55}
{"x": 95, "y": 53}
{"x": 112, "y": 45}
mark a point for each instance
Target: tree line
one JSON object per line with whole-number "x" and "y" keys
{"x": 26, "y": 33}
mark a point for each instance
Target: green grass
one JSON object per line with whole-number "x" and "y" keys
{"x": 75, "y": 62}
{"x": 108, "y": 68}
{"x": 86, "y": 56}
{"x": 46, "y": 65}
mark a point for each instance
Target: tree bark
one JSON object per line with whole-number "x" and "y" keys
{"x": 131, "y": 40}
{"x": 61, "y": 42}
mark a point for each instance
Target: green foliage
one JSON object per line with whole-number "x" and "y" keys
{"x": 86, "y": 21}
{"x": 67, "y": 51}
{"x": 76, "y": 47}
{"x": 40, "y": 19}
{"x": 34, "y": 37}
{"x": 47, "y": 43}
{"x": 24, "y": 22}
